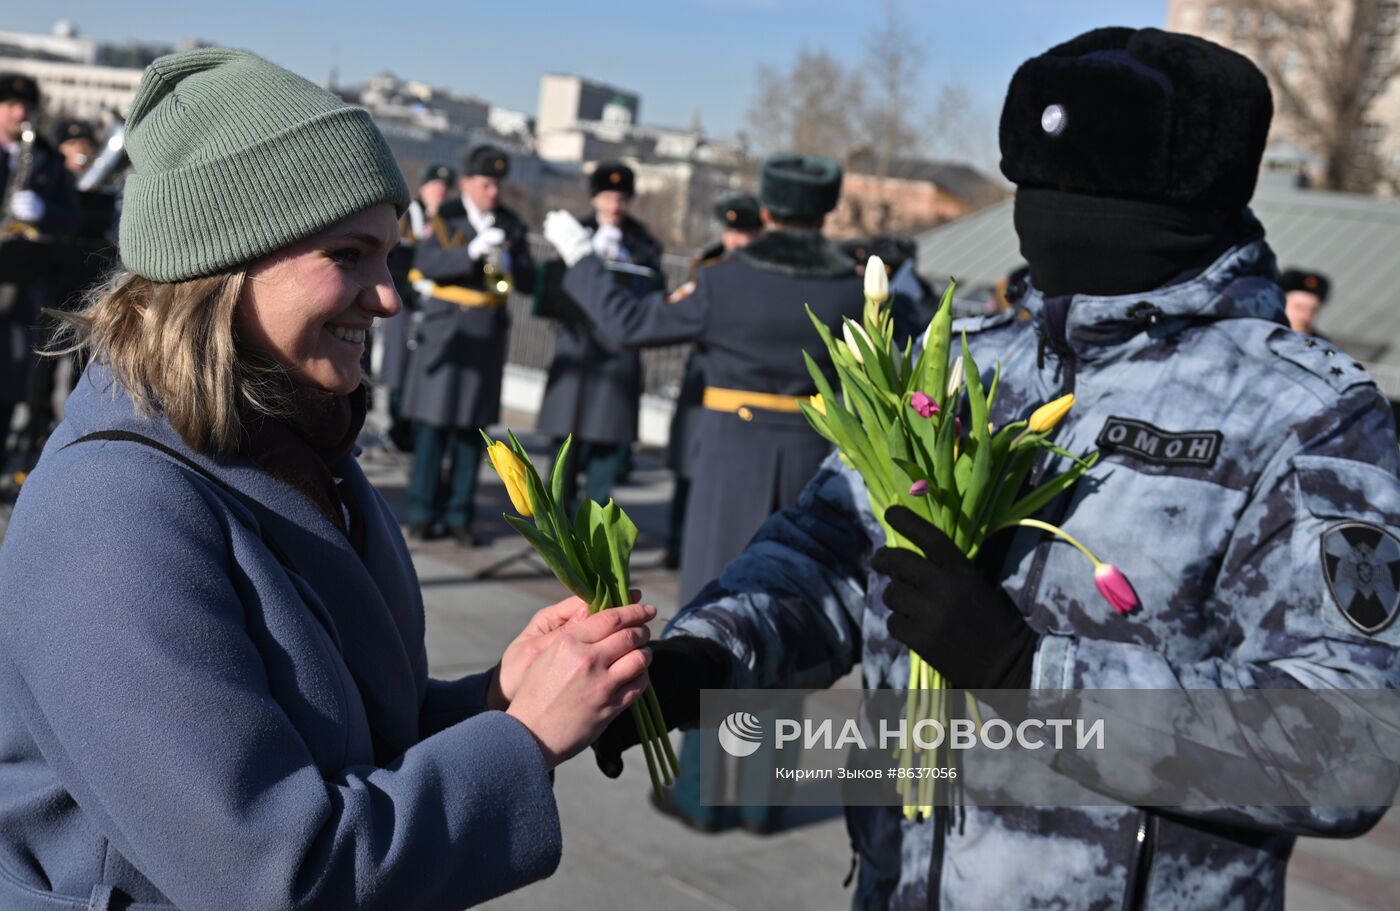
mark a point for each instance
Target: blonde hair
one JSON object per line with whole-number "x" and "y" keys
{"x": 173, "y": 347}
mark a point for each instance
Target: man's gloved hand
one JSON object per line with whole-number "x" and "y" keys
{"x": 607, "y": 241}
{"x": 28, "y": 207}
{"x": 945, "y": 609}
{"x": 567, "y": 236}
{"x": 680, "y": 668}
{"x": 489, "y": 239}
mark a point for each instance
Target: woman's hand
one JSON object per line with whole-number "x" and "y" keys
{"x": 589, "y": 671}
{"x": 526, "y": 647}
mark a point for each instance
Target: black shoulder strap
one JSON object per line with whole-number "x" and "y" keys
{"x": 127, "y": 436}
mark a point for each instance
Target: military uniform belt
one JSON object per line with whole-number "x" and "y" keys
{"x": 456, "y": 294}
{"x": 742, "y": 402}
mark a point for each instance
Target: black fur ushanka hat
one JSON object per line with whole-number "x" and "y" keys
{"x": 1138, "y": 114}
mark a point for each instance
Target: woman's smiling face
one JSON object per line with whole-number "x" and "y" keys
{"x": 310, "y": 306}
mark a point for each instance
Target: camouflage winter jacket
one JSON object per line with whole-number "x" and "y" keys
{"x": 1233, "y": 449}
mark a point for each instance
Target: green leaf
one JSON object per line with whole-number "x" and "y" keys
{"x": 560, "y": 469}
{"x": 980, "y": 452}
{"x": 818, "y": 422}
{"x": 1037, "y": 499}
{"x": 622, "y": 537}
{"x": 934, "y": 380}
{"x": 945, "y": 471}
{"x": 1087, "y": 461}
{"x": 850, "y": 435}
{"x": 552, "y": 556}
{"x": 873, "y": 367}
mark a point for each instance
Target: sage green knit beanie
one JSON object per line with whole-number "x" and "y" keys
{"x": 234, "y": 157}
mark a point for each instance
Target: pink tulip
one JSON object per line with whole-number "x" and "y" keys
{"x": 925, "y": 406}
{"x": 1115, "y": 588}
{"x": 918, "y": 488}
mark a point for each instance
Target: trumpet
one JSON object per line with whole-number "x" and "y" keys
{"x": 19, "y": 180}
{"x": 496, "y": 272}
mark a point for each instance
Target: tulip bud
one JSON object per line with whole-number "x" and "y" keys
{"x": 514, "y": 475}
{"x": 1047, "y": 416}
{"x": 851, "y": 341}
{"x": 955, "y": 377}
{"x": 817, "y": 404}
{"x": 925, "y": 406}
{"x": 918, "y": 488}
{"x": 877, "y": 281}
{"x": 1115, "y": 588}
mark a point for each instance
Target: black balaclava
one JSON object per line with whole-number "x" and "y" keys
{"x": 1078, "y": 244}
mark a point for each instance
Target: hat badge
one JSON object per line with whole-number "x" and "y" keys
{"x": 614, "y": 177}
{"x": 1310, "y": 282}
{"x": 1053, "y": 119}
{"x": 500, "y": 165}
{"x": 731, "y": 215}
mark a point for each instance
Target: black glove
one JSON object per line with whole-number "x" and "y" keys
{"x": 946, "y": 610}
{"x": 680, "y": 668}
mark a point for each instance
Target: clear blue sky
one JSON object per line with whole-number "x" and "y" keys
{"x": 679, "y": 54}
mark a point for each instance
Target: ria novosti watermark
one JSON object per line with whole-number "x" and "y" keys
{"x": 1187, "y": 748}
{"x": 741, "y": 732}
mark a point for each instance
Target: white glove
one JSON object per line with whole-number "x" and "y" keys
{"x": 607, "y": 241}
{"x": 484, "y": 243}
{"x": 27, "y": 206}
{"x": 568, "y": 236}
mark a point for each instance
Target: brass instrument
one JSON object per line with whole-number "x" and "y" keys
{"x": 107, "y": 163}
{"x": 19, "y": 180}
{"x": 496, "y": 274}
{"x": 496, "y": 271}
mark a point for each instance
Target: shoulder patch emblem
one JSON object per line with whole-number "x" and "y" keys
{"x": 1361, "y": 563}
{"x": 1143, "y": 441}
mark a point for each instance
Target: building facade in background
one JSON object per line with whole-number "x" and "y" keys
{"x": 1332, "y": 67}
{"x": 910, "y": 196}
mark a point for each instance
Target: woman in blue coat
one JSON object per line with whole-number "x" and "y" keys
{"x": 213, "y": 680}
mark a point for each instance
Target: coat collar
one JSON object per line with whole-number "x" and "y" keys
{"x": 371, "y": 607}
{"x": 805, "y": 254}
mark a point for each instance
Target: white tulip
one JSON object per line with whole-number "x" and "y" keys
{"x": 877, "y": 281}
{"x": 851, "y": 341}
{"x": 955, "y": 377}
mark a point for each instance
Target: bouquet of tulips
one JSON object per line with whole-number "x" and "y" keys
{"x": 589, "y": 555}
{"x": 898, "y": 423}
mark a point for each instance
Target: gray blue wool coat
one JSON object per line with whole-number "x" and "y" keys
{"x": 1223, "y": 551}
{"x": 208, "y": 700}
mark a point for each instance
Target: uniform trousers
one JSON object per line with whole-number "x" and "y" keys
{"x": 435, "y": 493}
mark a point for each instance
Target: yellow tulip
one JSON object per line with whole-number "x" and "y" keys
{"x": 817, "y": 404}
{"x": 513, "y": 473}
{"x": 1047, "y": 416}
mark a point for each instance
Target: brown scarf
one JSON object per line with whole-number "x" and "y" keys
{"x": 303, "y": 445}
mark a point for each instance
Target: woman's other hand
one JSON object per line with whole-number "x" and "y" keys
{"x": 589, "y": 670}
{"x": 526, "y": 647}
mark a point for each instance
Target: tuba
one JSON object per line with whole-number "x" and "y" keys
{"x": 19, "y": 179}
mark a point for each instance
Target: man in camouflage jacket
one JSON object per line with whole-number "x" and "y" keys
{"x": 1242, "y": 465}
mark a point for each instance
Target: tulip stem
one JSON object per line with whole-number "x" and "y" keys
{"x": 644, "y": 735}
{"x": 659, "y": 722}
{"x": 1058, "y": 532}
